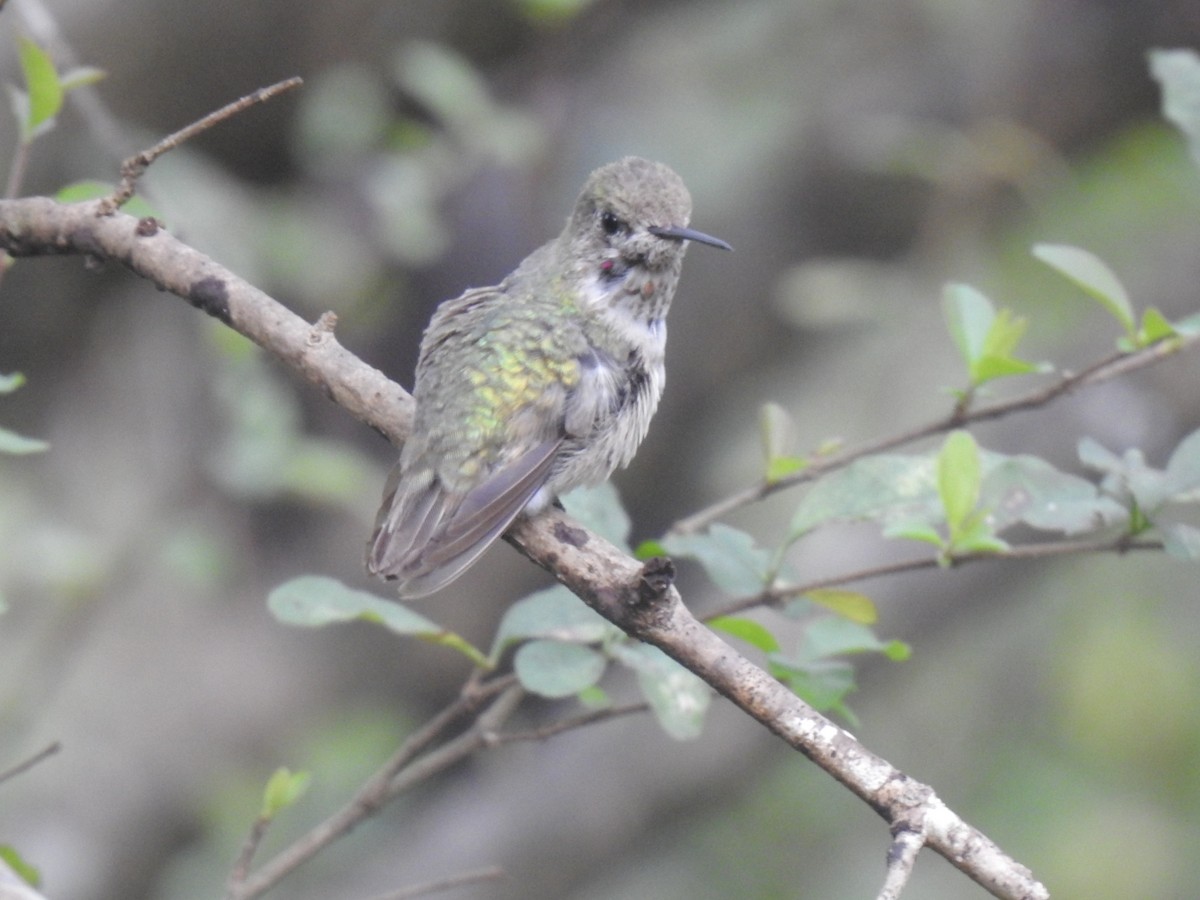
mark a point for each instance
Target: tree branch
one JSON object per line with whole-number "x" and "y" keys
{"x": 402, "y": 771}
{"x": 1104, "y": 370}
{"x": 639, "y": 599}
{"x": 1120, "y": 544}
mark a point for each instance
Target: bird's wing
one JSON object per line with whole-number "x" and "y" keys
{"x": 429, "y": 536}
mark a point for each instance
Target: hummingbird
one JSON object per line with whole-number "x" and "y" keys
{"x": 541, "y": 384}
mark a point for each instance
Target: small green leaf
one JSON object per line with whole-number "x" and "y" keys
{"x": 594, "y": 697}
{"x": 9, "y": 383}
{"x": 822, "y": 685}
{"x": 992, "y": 367}
{"x": 834, "y": 636}
{"x": 1155, "y": 327}
{"x": 1181, "y": 541}
{"x": 977, "y": 536}
{"x": 552, "y": 12}
{"x": 19, "y": 445}
{"x": 754, "y": 633}
{"x": 781, "y": 467}
{"x": 283, "y": 789}
{"x": 1090, "y": 274}
{"x": 914, "y": 531}
{"x": 552, "y": 614}
{"x": 315, "y": 600}
{"x": 27, "y": 873}
{"x": 44, "y": 89}
{"x": 1004, "y": 335}
{"x": 1178, "y": 71}
{"x": 729, "y": 556}
{"x": 1187, "y": 326}
{"x": 557, "y": 669}
{"x": 852, "y": 605}
{"x": 959, "y": 479}
{"x": 649, "y": 550}
{"x": 600, "y": 509}
{"x": 778, "y": 432}
{"x": 776, "y": 428}
{"x": 969, "y": 315}
{"x": 1183, "y": 468}
{"x": 678, "y": 698}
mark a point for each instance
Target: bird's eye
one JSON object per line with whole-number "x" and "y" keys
{"x": 610, "y": 223}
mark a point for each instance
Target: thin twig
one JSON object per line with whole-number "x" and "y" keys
{"x": 476, "y": 876}
{"x": 133, "y": 168}
{"x": 399, "y": 773}
{"x": 580, "y": 721}
{"x": 1103, "y": 370}
{"x": 241, "y": 866}
{"x": 26, "y": 765}
{"x": 16, "y": 170}
{"x": 901, "y": 858}
{"x": 1120, "y": 544}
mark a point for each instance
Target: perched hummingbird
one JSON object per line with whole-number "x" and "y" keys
{"x": 541, "y": 384}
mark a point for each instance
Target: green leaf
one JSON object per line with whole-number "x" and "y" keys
{"x": 959, "y": 479}
{"x": 855, "y": 606}
{"x": 834, "y": 635}
{"x": 1181, "y": 541}
{"x": 1028, "y": 489}
{"x": 9, "y": 383}
{"x": 1004, "y": 335}
{"x": 890, "y": 488}
{"x": 27, "y": 873}
{"x": 754, "y": 633}
{"x": 594, "y": 697}
{"x": 1183, "y": 468}
{"x": 678, "y": 698}
{"x": 969, "y": 315}
{"x": 557, "y": 669}
{"x": 315, "y": 600}
{"x": 552, "y": 614}
{"x": 44, "y": 89}
{"x": 988, "y": 368}
{"x": 1155, "y": 327}
{"x": 976, "y": 535}
{"x": 1187, "y": 326}
{"x": 822, "y": 685}
{"x": 1090, "y": 274}
{"x": 600, "y": 509}
{"x": 781, "y": 467}
{"x": 778, "y": 432}
{"x": 729, "y": 557}
{"x": 283, "y": 789}
{"x": 649, "y": 550}
{"x": 914, "y": 531}
{"x": 1178, "y": 71}
{"x": 552, "y": 12}
{"x": 18, "y": 445}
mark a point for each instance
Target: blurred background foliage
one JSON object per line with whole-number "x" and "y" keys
{"x": 858, "y": 155}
